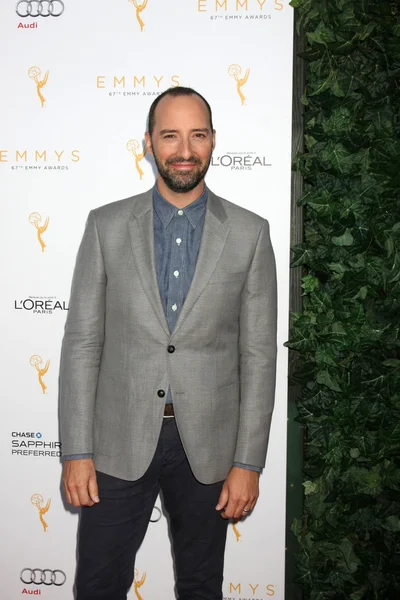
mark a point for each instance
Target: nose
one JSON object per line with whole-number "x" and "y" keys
{"x": 185, "y": 148}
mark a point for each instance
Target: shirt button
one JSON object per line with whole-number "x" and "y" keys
{"x": 176, "y": 273}
{"x": 178, "y": 241}
{"x": 171, "y": 349}
{"x": 174, "y": 307}
{"x": 161, "y": 393}
{"x": 180, "y": 212}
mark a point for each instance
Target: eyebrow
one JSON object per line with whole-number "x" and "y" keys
{"x": 205, "y": 130}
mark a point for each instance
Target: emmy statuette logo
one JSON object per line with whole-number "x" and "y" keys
{"x": 37, "y": 500}
{"x": 140, "y": 6}
{"x": 35, "y": 74}
{"x": 35, "y": 219}
{"x": 235, "y": 71}
{"x": 36, "y": 362}
{"x": 236, "y": 531}
{"x": 134, "y": 146}
{"x": 138, "y": 583}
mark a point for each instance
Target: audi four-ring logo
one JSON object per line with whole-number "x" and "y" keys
{"x": 43, "y": 577}
{"x": 40, "y": 8}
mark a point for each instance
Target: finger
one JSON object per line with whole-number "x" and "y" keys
{"x": 238, "y": 514}
{"x": 93, "y": 489}
{"x": 252, "y": 504}
{"x": 84, "y": 497}
{"x": 79, "y": 494}
{"x": 67, "y": 494}
{"x": 74, "y": 498}
{"x": 223, "y": 498}
{"x": 230, "y": 509}
{"x": 249, "y": 507}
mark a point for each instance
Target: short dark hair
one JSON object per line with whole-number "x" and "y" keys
{"x": 174, "y": 92}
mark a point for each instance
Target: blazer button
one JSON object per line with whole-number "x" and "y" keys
{"x": 161, "y": 393}
{"x": 171, "y": 349}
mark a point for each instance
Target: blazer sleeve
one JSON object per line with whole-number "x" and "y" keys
{"x": 258, "y": 350}
{"x": 82, "y": 345}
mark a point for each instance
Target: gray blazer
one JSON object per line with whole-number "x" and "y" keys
{"x": 114, "y": 356}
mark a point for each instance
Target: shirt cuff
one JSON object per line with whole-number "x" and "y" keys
{"x": 76, "y": 457}
{"x": 247, "y": 467}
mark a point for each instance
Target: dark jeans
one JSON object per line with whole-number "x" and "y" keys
{"x": 111, "y": 532}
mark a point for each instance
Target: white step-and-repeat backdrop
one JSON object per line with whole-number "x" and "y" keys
{"x": 77, "y": 81}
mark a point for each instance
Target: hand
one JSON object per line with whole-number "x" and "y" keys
{"x": 240, "y": 490}
{"x": 80, "y": 483}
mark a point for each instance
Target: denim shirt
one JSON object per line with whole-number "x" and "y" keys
{"x": 177, "y": 236}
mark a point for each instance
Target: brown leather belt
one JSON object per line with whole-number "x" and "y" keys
{"x": 169, "y": 410}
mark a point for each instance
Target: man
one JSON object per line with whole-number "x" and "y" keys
{"x": 168, "y": 365}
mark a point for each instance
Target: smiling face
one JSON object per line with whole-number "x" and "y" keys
{"x": 181, "y": 142}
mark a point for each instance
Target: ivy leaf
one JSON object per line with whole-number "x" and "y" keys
{"x": 394, "y": 363}
{"x": 302, "y": 255}
{"x": 349, "y": 562}
{"x": 324, "y": 378}
{"x": 338, "y": 267}
{"x": 324, "y": 355}
{"x": 389, "y": 245}
{"x": 304, "y": 100}
{"x": 322, "y": 204}
{"x": 392, "y": 523}
{"x": 310, "y": 141}
{"x": 362, "y": 293}
{"x": 338, "y": 122}
{"x": 296, "y": 527}
{"x": 309, "y": 283}
{"x": 392, "y": 435}
{"x": 323, "y": 595}
{"x": 309, "y": 487}
{"x": 358, "y": 594}
{"x": 336, "y": 89}
{"x": 337, "y": 579}
{"x": 336, "y": 156}
{"x": 395, "y": 270}
{"x": 321, "y": 35}
{"x": 346, "y": 239}
{"x": 300, "y": 342}
{"x": 363, "y": 481}
{"x": 322, "y": 86}
{"x": 353, "y": 207}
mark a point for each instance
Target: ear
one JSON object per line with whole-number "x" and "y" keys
{"x": 149, "y": 146}
{"x": 214, "y": 139}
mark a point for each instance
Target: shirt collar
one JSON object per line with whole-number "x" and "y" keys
{"x": 166, "y": 211}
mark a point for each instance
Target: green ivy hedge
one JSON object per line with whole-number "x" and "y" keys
{"x": 347, "y": 336}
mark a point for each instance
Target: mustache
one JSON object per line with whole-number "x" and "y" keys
{"x": 193, "y": 160}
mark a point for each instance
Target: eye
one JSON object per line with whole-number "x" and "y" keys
{"x": 169, "y": 135}
{"x": 200, "y": 135}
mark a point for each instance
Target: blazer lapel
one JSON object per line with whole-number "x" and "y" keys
{"x": 215, "y": 232}
{"x": 141, "y": 230}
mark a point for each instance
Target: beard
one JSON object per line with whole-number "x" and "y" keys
{"x": 182, "y": 182}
